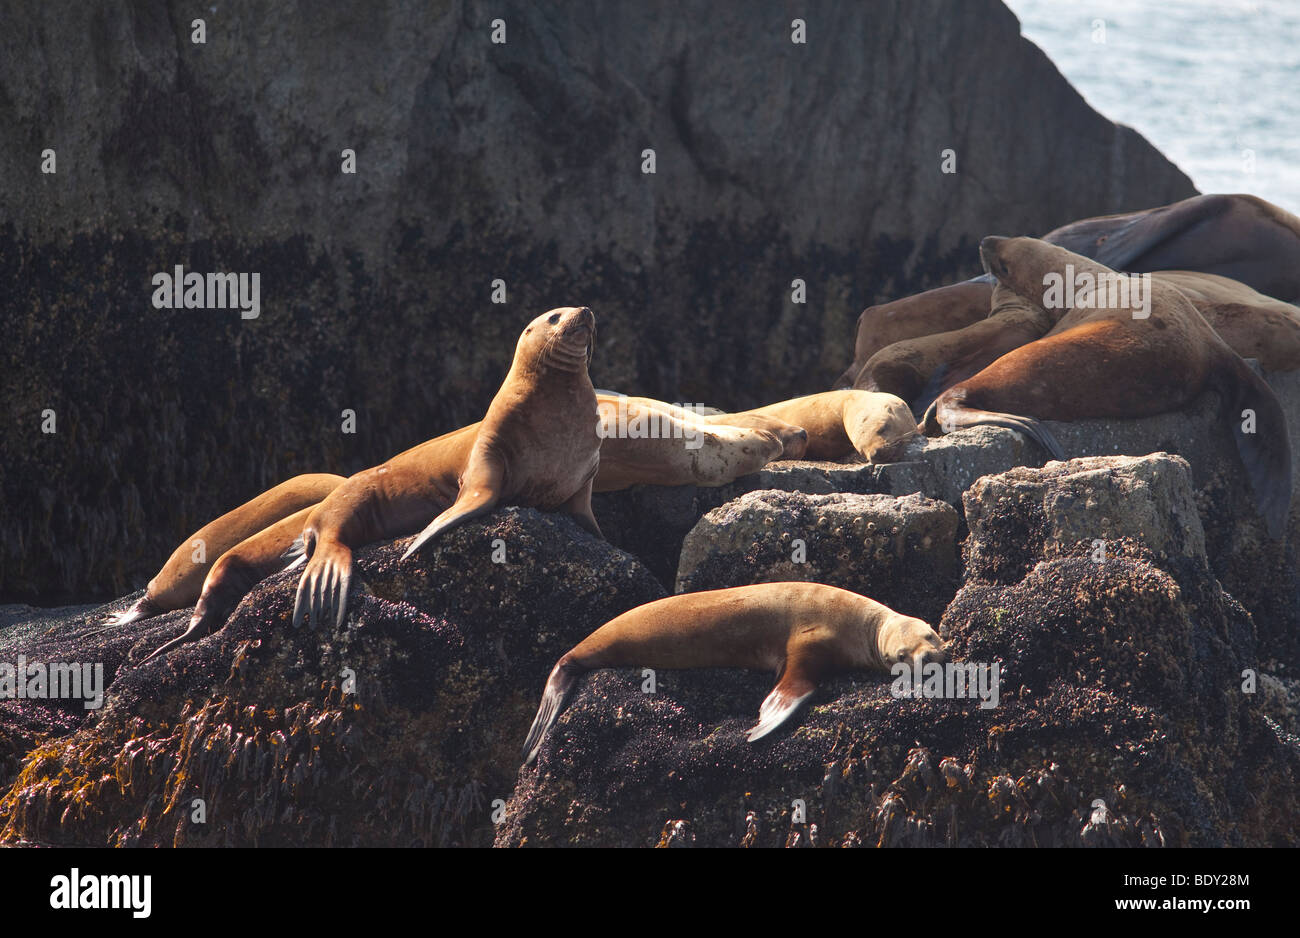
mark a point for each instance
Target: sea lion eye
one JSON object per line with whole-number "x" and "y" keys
{"x": 554, "y": 318}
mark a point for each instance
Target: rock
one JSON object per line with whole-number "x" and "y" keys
{"x": 775, "y": 161}
{"x": 1120, "y": 718}
{"x": 401, "y": 729}
{"x": 899, "y": 551}
{"x": 1081, "y": 507}
{"x": 957, "y": 459}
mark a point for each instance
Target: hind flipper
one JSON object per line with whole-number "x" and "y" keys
{"x": 142, "y": 608}
{"x": 480, "y": 489}
{"x": 558, "y": 686}
{"x": 1266, "y": 451}
{"x": 236, "y": 572}
{"x": 579, "y": 508}
{"x": 199, "y": 627}
{"x": 296, "y": 555}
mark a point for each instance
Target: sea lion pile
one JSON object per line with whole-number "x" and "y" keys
{"x": 1115, "y": 317}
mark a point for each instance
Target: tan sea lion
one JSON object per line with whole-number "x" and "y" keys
{"x": 179, "y": 583}
{"x": 646, "y": 442}
{"x": 942, "y": 309}
{"x": 805, "y": 632}
{"x": 399, "y": 496}
{"x": 877, "y": 426}
{"x": 536, "y": 447}
{"x": 794, "y": 439}
{"x": 237, "y": 571}
{"x": 1116, "y": 362}
{"x": 1241, "y": 237}
{"x": 918, "y": 369}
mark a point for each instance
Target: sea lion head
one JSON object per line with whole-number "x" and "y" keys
{"x": 993, "y": 264}
{"x": 1025, "y": 264}
{"x": 908, "y": 640}
{"x": 882, "y": 427}
{"x": 562, "y": 339}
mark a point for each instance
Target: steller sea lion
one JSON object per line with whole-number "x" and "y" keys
{"x": 180, "y": 581}
{"x": 1241, "y": 237}
{"x": 536, "y": 447}
{"x": 805, "y": 632}
{"x": 649, "y": 442}
{"x": 877, "y": 426}
{"x": 918, "y": 370}
{"x": 1238, "y": 236}
{"x": 794, "y": 439}
{"x": 1116, "y": 362}
{"x": 237, "y": 571}
{"x": 399, "y": 496}
{"x": 942, "y": 309}
{"x": 1254, "y": 325}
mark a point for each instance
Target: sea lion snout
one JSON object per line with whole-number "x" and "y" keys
{"x": 579, "y": 323}
{"x": 794, "y": 442}
{"x": 911, "y": 641}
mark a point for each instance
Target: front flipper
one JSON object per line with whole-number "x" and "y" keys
{"x": 579, "y": 507}
{"x": 323, "y": 589}
{"x": 809, "y": 659}
{"x": 947, "y": 414}
{"x": 780, "y": 705}
{"x": 480, "y": 490}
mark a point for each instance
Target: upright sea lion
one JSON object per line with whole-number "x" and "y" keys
{"x": 1241, "y": 237}
{"x": 877, "y": 426}
{"x": 537, "y": 447}
{"x": 1127, "y": 360}
{"x": 805, "y": 632}
{"x": 179, "y": 582}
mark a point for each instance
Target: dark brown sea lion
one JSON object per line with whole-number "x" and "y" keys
{"x": 1126, "y": 359}
{"x": 1241, "y": 237}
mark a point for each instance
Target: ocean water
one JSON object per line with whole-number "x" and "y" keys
{"x": 1213, "y": 84}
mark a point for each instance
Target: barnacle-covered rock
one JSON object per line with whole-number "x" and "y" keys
{"x": 403, "y": 727}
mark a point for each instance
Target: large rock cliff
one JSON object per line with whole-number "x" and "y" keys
{"x": 476, "y": 161}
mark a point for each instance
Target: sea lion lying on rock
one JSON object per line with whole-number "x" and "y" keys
{"x": 805, "y": 632}
{"x": 1115, "y": 353}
